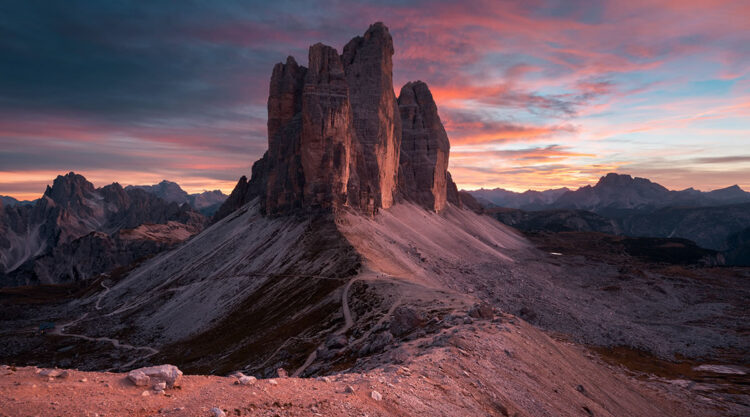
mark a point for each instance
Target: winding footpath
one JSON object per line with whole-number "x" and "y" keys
{"x": 60, "y": 331}
{"x": 348, "y": 323}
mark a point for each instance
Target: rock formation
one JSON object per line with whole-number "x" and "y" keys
{"x": 327, "y": 131}
{"x": 335, "y": 134}
{"x": 281, "y": 164}
{"x": 369, "y": 73}
{"x": 423, "y": 171}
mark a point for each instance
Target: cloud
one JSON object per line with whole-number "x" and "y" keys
{"x": 535, "y": 154}
{"x": 465, "y": 127}
{"x": 722, "y": 159}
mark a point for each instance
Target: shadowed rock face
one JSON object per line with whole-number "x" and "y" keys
{"x": 309, "y": 134}
{"x": 423, "y": 171}
{"x": 282, "y": 166}
{"x": 326, "y": 129}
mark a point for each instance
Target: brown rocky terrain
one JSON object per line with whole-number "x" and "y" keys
{"x": 482, "y": 366}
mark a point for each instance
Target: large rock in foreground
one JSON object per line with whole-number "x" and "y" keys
{"x": 168, "y": 374}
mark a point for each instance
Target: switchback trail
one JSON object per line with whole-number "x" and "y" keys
{"x": 60, "y": 331}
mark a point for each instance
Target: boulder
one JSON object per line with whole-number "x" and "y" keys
{"x": 168, "y": 374}
{"x": 51, "y": 373}
{"x": 139, "y": 378}
{"x": 217, "y": 412}
{"x": 377, "y": 343}
{"x": 247, "y": 380}
{"x": 405, "y": 320}
{"x": 482, "y": 310}
{"x": 336, "y": 341}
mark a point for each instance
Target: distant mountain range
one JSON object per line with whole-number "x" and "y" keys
{"x": 10, "y": 201}
{"x": 206, "y": 202}
{"x": 527, "y": 200}
{"x": 621, "y": 204}
{"x": 75, "y": 231}
{"x": 613, "y": 194}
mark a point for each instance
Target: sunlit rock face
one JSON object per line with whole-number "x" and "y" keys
{"x": 423, "y": 172}
{"x": 369, "y": 72}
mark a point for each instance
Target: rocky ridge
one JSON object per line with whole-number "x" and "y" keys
{"x": 76, "y": 231}
{"x": 613, "y": 195}
{"x": 206, "y": 202}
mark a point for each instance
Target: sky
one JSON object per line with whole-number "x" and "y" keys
{"x": 534, "y": 94}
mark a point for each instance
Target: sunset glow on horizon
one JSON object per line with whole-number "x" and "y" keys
{"x": 534, "y": 94}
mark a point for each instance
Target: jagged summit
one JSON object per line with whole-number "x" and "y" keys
{"x": 69, "y": 189}
{"x": 336, "y": 133}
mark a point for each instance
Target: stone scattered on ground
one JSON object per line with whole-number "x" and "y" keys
{"x": 218, "y": 412}
{"x": 482, "y": 311}
{"x": 247, "y": 380}
{"x": 51, "y": 373}
{"x": 169, "y": 374}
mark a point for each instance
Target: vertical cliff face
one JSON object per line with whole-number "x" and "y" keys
{"x": 336, "y": 133}
{"x": 423, "y": 171}
{"x": 326, "y": 130}
{"x": 369, "y": 72}
{"x": 282, "y": 170}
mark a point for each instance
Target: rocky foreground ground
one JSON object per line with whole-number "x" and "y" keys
{"x": 500, "y": 366}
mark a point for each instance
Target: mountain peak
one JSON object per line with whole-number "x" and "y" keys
{"x": 334, "y": 132}
{"x": 614, "y": 178}
{"x": 166, "y": 190}
{"x": 69, "y": 189}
